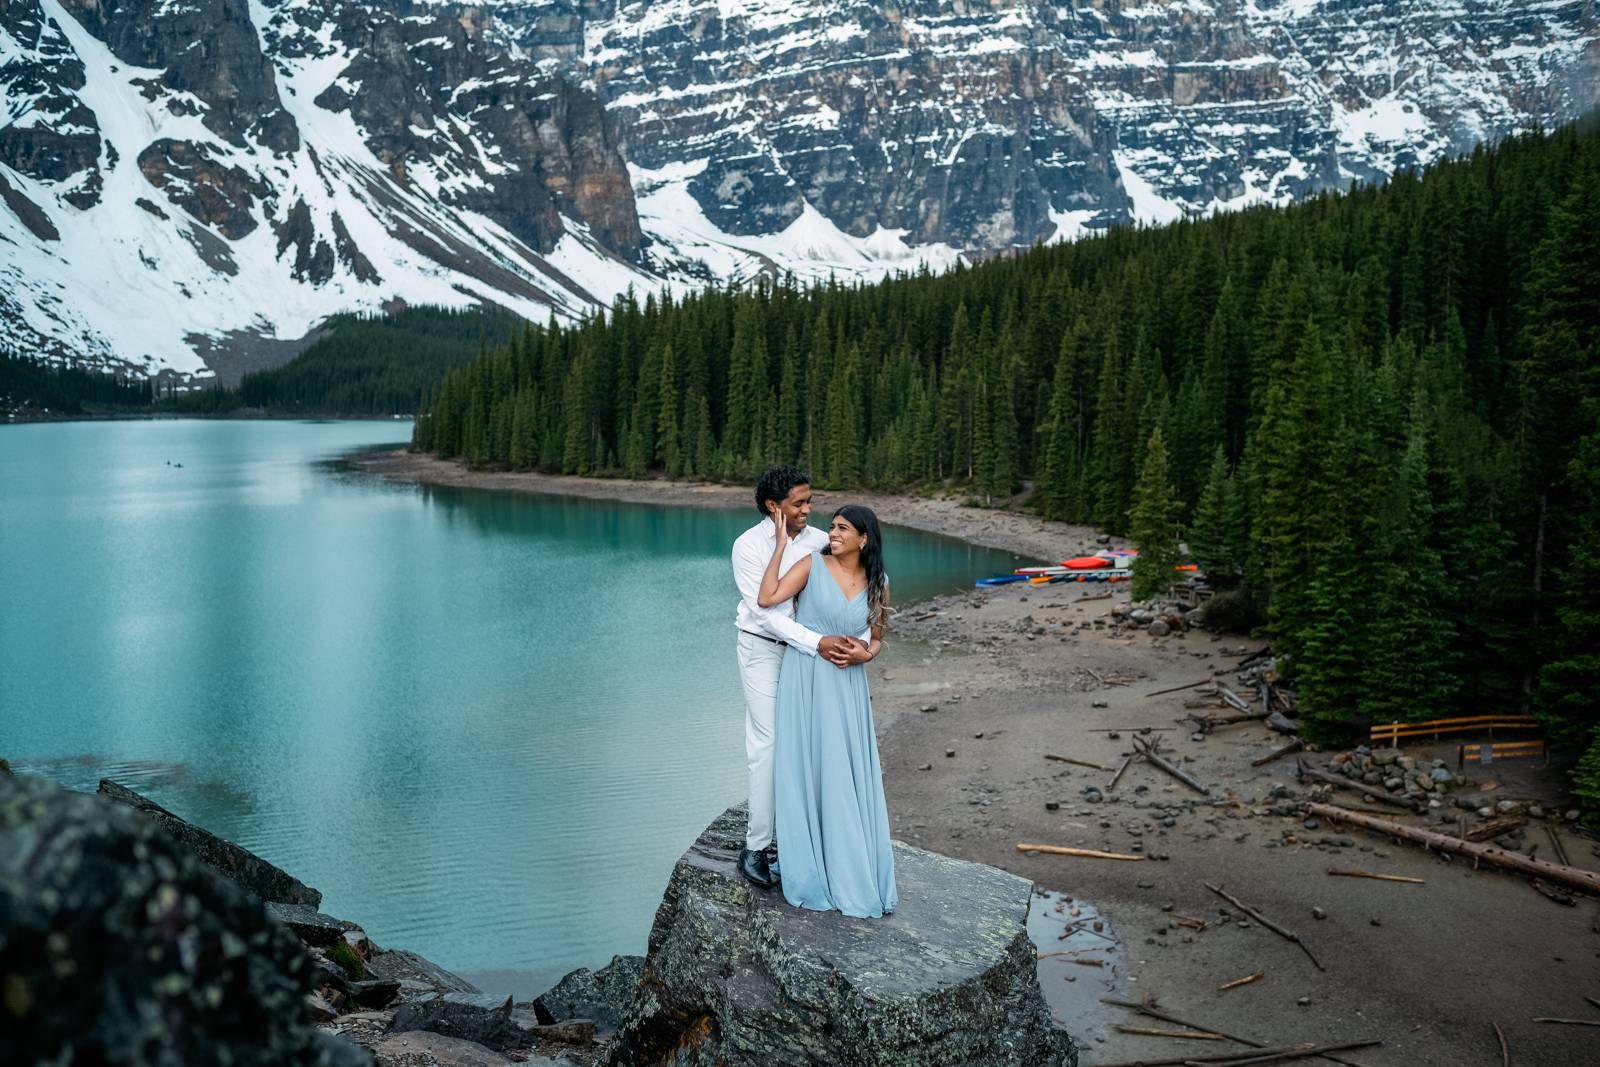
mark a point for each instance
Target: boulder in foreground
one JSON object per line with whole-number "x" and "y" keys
{"x": 735, "y": 976}
{"x": 118, "y": 946}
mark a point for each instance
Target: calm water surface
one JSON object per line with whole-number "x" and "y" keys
{"x": 484, "y": 725}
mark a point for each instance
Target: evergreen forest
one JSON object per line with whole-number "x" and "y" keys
{"x": 1374, "y": 416}
{"x": 376, "y": 364}
{"x": 30, "y": 384}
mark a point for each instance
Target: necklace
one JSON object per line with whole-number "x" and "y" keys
{"x": 849, "y": 585}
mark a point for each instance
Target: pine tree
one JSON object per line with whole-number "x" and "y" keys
{"x": 669, "y": 445}
{"x": 1153, "y": 522}
{"x": 1209, "y": 541}
{"x": 524, "y": 447}
{"x": 786, "y": 446}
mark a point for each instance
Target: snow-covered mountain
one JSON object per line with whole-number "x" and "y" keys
{"x": 195, "y": 184}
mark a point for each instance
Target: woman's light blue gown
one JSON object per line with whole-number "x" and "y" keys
{"x": 832, "y": 822}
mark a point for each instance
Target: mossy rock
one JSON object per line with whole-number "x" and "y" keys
{"x": 348, "y": 959}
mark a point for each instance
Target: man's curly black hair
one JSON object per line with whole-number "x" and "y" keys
{"x": 776, "y": 485}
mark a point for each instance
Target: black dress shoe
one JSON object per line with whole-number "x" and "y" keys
{"x": 753, "y": 865}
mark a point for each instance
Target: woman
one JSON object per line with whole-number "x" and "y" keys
{"x": 832, "y": 822}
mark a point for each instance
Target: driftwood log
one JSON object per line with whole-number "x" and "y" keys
{"x": 1494, "y": 828}
{"x": 1149, "y": 753}
{"x": 1588, "y": 881}
{"x": 1278, "y": 753}
{"x": 1075, "y": 762}
{"x": 1148, "y": 1007}
{"x": 1283, "y": 932}
{"x": 1064, "y": 850}
{"x": 1376, "y": 795}
{"x": 1178, "y": 688}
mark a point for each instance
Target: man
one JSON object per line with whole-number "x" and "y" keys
{"x": 764, "y": 634}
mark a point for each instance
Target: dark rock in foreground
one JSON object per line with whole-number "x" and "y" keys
{"x": 736, "y": 976}
{"x": 120, "y": 947}
{"x": 602, "y": 995}
{"x": 239, "y": 864}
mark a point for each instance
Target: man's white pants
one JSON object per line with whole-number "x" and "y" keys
{"x": 759, "y": 662}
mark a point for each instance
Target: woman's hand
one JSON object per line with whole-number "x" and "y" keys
{"x": 851, "y": 653}
{"x": 780, "y": 527}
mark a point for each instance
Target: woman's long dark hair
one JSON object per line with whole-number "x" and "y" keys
{"x": 865, "y": 521}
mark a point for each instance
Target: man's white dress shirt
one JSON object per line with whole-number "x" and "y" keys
{"x": 751, "y": 554}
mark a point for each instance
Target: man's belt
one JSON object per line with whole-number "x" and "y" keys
{"x": 763, "y": 637}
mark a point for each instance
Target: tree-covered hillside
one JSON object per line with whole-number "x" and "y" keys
{"x": 377, "y": 364}
{"x": 1374, "y": 412}
{"x": 361, "y": 365}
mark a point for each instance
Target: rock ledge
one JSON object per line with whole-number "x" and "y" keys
{"x": 736, "y": 976}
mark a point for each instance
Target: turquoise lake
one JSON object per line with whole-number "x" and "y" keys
{"x": 484, "y": 725}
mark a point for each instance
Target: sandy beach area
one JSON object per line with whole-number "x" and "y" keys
{"x": 976, "y": 688}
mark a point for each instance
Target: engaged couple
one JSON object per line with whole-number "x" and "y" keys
{"x": 812, "y": 610}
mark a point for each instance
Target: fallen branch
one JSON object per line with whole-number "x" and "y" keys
{"x": 1292, "y": 746}
{"x": 1075, "y": 762}
{"x": 1229, "y": 696}
{"x": 1294, "y": 1054}
{"x": 1149, "y": 754}
{"x": 1156, "y": 1013}
{"x": 1560, "y": 849}
{"x": 1571, "y": 1022}
{"x": 1342, "y": 782}
{"x": 1115, "y": 778}
{"x": 1246, "y": 980}
{"x": 1088, "y": 963}
{"x": 1129, "y": 729}
{"x": 1177, "y": 688}
{"x": 1063, "y": 850}
{"x": 1494, "y": 828}
{"x": 1211, "y": 722}
{"x": 1505, "y": 1049}
{"x": 1258, "y": 1054}
{"x": 1588, "y": 881}
{"x": 1193, "y": 1035}
{"x": 1282, "y": 932}
{"x": 1550, "y": 892}
{"x": 1378, "y": 877}
{"x": 1260, "y": 1047}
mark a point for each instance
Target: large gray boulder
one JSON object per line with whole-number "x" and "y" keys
{"x": 241, "y": 865}
{"x": 118, "y": 946}
{"x": 736, "y": 976}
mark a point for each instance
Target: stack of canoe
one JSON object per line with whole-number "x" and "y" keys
{"x": 1112, "y": 565}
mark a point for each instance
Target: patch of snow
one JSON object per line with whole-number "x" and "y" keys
{"x": 1070, "y": 225}
{"x": 1149, "y": 206}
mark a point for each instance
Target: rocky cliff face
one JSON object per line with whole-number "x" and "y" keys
{"x": 992, "y": 125}
{"x": 182, "y": 171}
{"x": 177, "y": 174}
